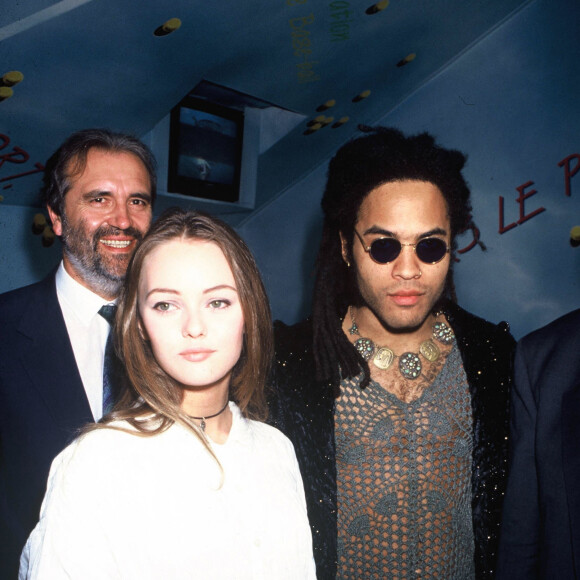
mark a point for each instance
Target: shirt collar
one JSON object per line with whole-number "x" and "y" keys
{"x": 240, "y": 431}
{"x": 83, "y": 302}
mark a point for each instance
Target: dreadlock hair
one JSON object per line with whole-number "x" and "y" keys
{"x": 381, "y": 156}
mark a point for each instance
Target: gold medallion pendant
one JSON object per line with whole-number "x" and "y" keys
{"x": 384, "y": 358}
{"x": 429, "y": 350}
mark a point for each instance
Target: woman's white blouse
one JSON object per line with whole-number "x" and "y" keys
{"x": 129, "y": 507}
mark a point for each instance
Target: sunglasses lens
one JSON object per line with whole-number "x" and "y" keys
{"x": 385, "y": 250}
{"x": 431, "y": 250}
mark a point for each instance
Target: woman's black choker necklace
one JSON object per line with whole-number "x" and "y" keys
{"x": 203, "y": 419}
{"x": 410, "y": 365}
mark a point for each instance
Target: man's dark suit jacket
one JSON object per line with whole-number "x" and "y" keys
{"x": 42, "y": 405}
{"x": 540, "y": 536}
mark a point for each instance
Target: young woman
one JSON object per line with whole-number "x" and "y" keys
{"x": 180, "y": 480}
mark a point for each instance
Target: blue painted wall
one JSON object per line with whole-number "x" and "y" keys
{"x": 23, "y": 258}
{"x": 511, "y": 103}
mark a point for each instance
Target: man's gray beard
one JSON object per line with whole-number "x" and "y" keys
{"x": 84, "y": 257}
{"x": 94, "y": 275}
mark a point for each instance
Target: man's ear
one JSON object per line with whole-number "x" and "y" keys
{"x": 344, "y": 248}
{"x": 56, "y": 221}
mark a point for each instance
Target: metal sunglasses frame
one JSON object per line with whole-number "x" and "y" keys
{"x": 367, "y": 249}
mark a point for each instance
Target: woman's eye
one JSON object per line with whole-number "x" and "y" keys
{"x": 162, "y": 306}
{"x": 219, "y": 304}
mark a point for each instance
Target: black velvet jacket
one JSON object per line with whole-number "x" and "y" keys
{"x": 303, "y": 409}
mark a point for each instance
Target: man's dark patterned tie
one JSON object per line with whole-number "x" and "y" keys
{"x": 112, "y": 368}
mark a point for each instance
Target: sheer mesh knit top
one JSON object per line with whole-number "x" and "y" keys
{"x": 404, "y": 480}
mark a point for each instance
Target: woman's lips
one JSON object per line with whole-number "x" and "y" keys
{"x": 196, "y": 355}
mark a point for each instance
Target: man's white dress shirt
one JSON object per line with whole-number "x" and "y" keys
{"x": 88, "y": 332}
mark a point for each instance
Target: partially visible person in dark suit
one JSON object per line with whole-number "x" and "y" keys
{"x": 540, "y": 535}
{"x": 99, "y": 187}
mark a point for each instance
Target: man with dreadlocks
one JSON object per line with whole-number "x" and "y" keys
{"x": 395, "y": 398}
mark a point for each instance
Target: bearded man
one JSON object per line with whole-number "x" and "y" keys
{"x": 99, "y": 188}
{"x": 395, "y": 398}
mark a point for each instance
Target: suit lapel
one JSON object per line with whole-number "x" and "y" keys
{"x": 50, "y": 361}
{"x": 571, "y": 464}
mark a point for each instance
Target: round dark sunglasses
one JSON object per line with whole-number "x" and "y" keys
{"x": 385, "y": 250}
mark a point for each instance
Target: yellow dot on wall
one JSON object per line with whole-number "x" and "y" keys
{"x": 575, "y": 233}
{"x": 47, "y": 237}
{"x": 38, "y": 223}
{"x": 313, "y": 128}
{"x": 409, "y": 58}
{"x": 12, "y": 78}
{"x": 326, "y": 105}
{"x": 5, "y": 93}
{"x": 172, "y": 25}
{"x": 378, "y": 7}
{"x": 319, "y": 120}
{"x": 361, "y": 96}
{"x": 340, "y": 122}
{"x": 168, "y": 27}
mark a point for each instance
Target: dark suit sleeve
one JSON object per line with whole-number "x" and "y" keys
{"x": 518, "y": 550}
